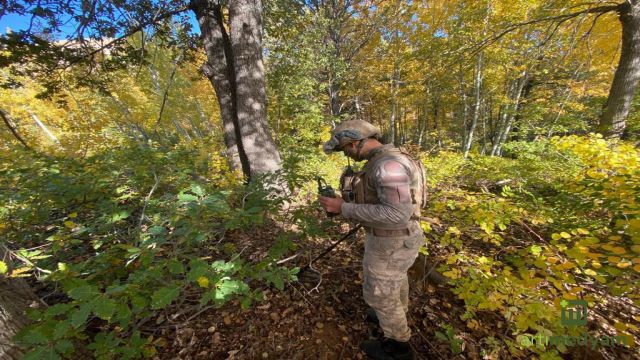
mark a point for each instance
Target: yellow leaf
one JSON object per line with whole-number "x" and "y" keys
{"x": 20, "y": 272}
{"x": 3, "y": 268}
{"x": 596, "y": 265}
{"x": 618, "y": 250}
{"x": 565, "y": 235}
{"x": 620, "y": 326}
{"x": 637, "y": 268}
{"x": 613, "y": 259}
{"x": 70, "y": 224}
{"x": 636, "y": 248}
{"x": 567, "y": 265}
{"x": 583, "y": 231}
{"x": 623, "y": 264}
{"x": 73, "y": 215}
{"x": 203, "y": 281}
{"x": 590, "y": 272}
{"x": 555, "y": 236}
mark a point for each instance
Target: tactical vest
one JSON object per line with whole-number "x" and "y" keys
{"x": 359, "y": 187}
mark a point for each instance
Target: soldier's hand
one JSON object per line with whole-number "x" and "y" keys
{"x": 332, "y": 205}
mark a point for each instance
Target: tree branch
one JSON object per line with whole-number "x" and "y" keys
{"x": 560, "y": 18}
{"x": 133, "y": 30}
{"x": 7, "y": 121}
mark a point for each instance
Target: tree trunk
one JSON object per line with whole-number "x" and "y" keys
{"x": 334, "y": 96}
{"x": 509, "y": 114}
{"x": 625, "y": 80}
{"x": 394, "y": 106}
{"x": 436, "y": 114}
{"x": 44, "y": 128}
{"x": 15, "y": 297}
{"x": 476, "y": 108}
{"x": 477, "y": 87}
{"x": 219, "y": 70}
{"x": 245, "y": 17}
{"x": 464, "y": 105}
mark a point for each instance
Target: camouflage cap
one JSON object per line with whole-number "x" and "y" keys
{"x": 350, "y": 131}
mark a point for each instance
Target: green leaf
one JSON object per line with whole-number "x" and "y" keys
{"x": 197, "y": 189}
{"x": 120, "y": 215}
{"x": 164, "y": 296}
{"x": 198, "y": 268}
{"x": 64, "y": 347}
{"x": 104, "y": 307}
{"x": 175, "y": 267}
{"x": 59, "y": 309}
{"x": 441, "y": 336}
{"x": 61, "y": 329}
{"x": 79, "y": 317}
{"x": 535, "y": 250}
{"x": 42, "y": 353}
{"x": 35, "y": 337}
{"x": 278, "y": 282}
{"x": 187, "y": 197}
{"x": 123, "y": 314}
{"x": 138, "y": 302}
{"x": 85, "y": 292}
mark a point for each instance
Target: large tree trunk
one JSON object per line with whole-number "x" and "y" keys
{"x": 219, "y": 70}
{"x": 245, "y": 17}
{"x": 15, "y": 297}
{"x": 625, "y": 80}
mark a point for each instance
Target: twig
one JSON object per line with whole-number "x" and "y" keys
{"x": 301, "y": 294}
{"x": 198, "y": 313}
{"x": 146, "y": 200}
{"x": 319, "y": 282}
{"x": 439, "y": 354}
{"x": 426, "y": 275}
{"x": 25, "y": 260}
{"x": 287, "y": 259}
{"x": 533, "y": 232}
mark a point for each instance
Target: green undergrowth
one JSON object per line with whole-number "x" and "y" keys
{"x": 123, "y": 236}
{"x": 131, "y": 234}
{"x": 552, "y": 220}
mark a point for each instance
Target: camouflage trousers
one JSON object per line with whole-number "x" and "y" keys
{"x": 386, "y": 284}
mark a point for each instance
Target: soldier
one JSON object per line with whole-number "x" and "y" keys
{"x": 385, "y": 198}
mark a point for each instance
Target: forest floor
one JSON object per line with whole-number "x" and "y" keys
{"x": 325, "y": 320}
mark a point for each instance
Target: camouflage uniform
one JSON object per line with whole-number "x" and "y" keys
{"x": 385, "y": 210}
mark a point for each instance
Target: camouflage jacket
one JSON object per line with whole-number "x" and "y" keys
{"x": 386, "y": 192}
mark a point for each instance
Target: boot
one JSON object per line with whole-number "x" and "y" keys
{"x": 387, "y": 349}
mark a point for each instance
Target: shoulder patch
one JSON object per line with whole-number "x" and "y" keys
{"x": 395, "y": 182}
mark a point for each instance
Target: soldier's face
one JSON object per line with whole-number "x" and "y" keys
{"x": 351, "y": 151}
